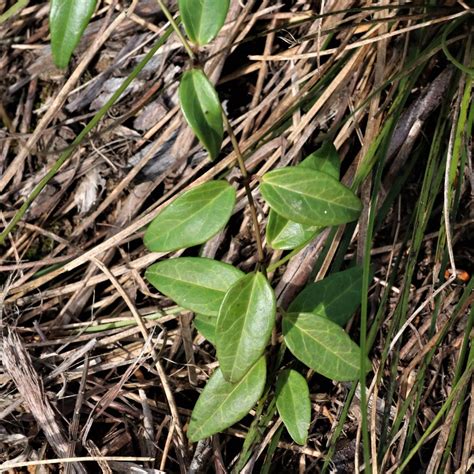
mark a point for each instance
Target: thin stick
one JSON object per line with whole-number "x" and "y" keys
{"x": 289, "y": 54}
{"x": 419, "y": 310}
{"x": 181, "y": 441}
{"x": 43, "y": 462}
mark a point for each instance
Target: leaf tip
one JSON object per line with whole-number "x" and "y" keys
{"x": 193, "y": 433}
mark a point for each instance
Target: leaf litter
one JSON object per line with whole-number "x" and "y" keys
{"x": 63, "y": 316}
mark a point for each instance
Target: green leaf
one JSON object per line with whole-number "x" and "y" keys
{"x": 325, "y": 159}
{"x": 244, "y": 325}
{"x": 322, "y": 345}
{"x": 293, "y": 404}
{"x": 202, "y": 110}
{"x": 309, "y": 197}
{"x": 221, "y": 403}
{"x": 197, "y": 284}
{"x": 336, "y": 297}
{"x": 206, "y": 325}
{"x": 203, "y": 19}
{"x": 192, "y": 218}
{"x": 284, "y": 234}
{"x": 67, "y": 21}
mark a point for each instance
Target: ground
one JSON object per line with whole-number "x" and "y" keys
{"x": 391, "y": 88}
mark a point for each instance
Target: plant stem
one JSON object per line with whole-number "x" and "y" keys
{"x": 173, "y": 23}
{"x": 235, "y": 144}
{"x": 287, "y": 257}
{"x": 248, "y": 191}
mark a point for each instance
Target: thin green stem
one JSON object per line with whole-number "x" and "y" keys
{"x": 78, "y": 140}
{"x": 287, "y": 257}
{"x": 248, "y": 191}
{"x": 364, "y": 316}
{"x": 252, "y": 435}
{"x": 173, "y": 23}
{"x": 13, "y": 10}
{"x": 235, "y": 144}
{"x": 339, "y": 428}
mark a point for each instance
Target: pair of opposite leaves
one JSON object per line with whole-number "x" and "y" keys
{"x": 68, "y": 19}
{"x": 302, "y": 199}
{"x": 222, "y": 404}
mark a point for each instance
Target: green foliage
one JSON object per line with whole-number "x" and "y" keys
{"x": 244, "y": 325}
{"x": 197, "y": 284}
{"x": 193, "y": 218}
{"x": 202, "y": 110}
{"x": 67, "y": 21}
{"x": 309, "y": 197}
{"x": 222, "y": 403}
{"x": 336, "y": 297}
{"x": 203, "y": 19}
{"x": 322, "y": 345}
{"x": 293, "y": 404}
{"x": 325, "y": 159}
{"x": 13, "y": 10}
{"x": 206, "y": 325}
{"x": 285, "y": 234}
{"x": 236, "y": 311}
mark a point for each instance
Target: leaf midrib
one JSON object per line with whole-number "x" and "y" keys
{"x": 190, "y": 283}
{"x": 171, "y": 228}
{"x": 237, "y": 385}
{"x": 322, "y": 345}
{"x": 245, "y": 319}
{"x": 310, "y": 196}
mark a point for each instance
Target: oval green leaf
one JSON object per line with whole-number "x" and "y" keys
{"x": 309, "y": 197}
{"x": 192, "y": 218}
{"x": 204, "y": 19}
{"x": 244, "y": 325}
{"x": 336, "y": 297}
{"x": 202, "y": 110}
{"x": 324, "y": 159}
{"x": 293, "y": 404}
{"x": 67, "y": 21}
{"x": 322, "y": 345}
{"x": 197, "y": 284}
{"x": 206, "y": 325}
{"x": 221, "y": 403}
{"x": 284, "y": 234}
